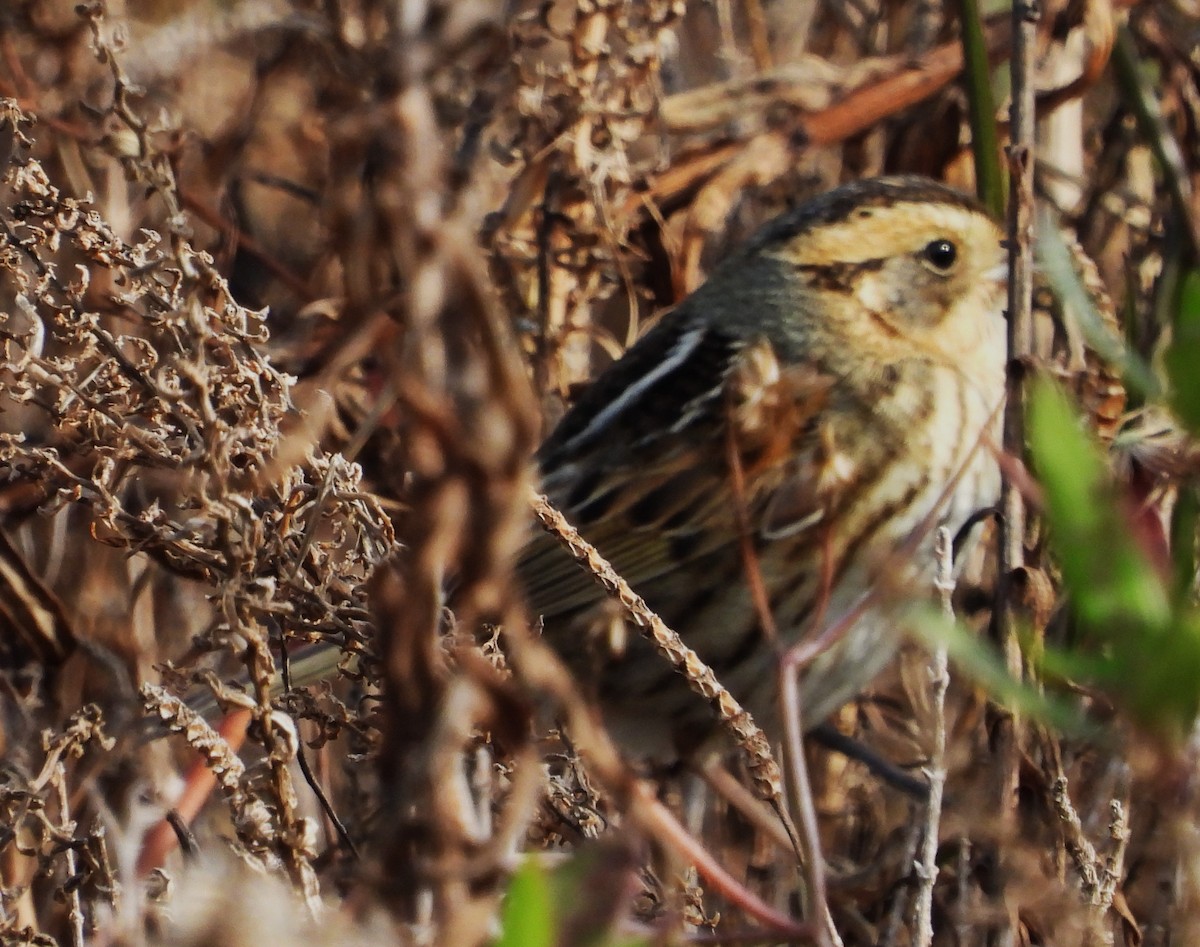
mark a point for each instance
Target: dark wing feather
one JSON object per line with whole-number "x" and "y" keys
{"x": 614, "y": 449}
{"x": 678, "y": 364}
{"x": 639, "y": 464}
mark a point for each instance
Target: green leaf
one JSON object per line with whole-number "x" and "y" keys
{"x": 528, "y": 918}
{"x": 1161, "y": 681}
{"x": 1111, "y": 582}
{"x": 1182, "y": 359}
{"x": 990, "y": 181}
{"x": 1184, "y": 520}
{"x": 1140, "y": 637}
{"x": 983, "y": 664}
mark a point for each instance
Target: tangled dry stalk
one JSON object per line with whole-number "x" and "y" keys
{"x": 288, "y": 291}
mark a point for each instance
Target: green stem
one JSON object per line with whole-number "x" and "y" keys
{"x": 989, "y": 181}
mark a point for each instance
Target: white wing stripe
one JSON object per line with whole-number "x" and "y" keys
{"x": 687, "y": 344}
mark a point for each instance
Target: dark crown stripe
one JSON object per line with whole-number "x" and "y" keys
{"x": 838, "y": 205}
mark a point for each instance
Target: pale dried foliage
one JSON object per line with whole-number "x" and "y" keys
{"x": 287, "y": 292}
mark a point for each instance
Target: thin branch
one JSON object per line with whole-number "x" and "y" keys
{"x": 939, "y": 682}
{"x": 71, "y": 888}
{"x": 1025, "y": 16}
{"x": 285, "y": 671}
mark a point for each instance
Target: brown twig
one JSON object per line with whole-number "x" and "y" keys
{"x": 1025, "y": 18}
{"x": 537, "y": 666}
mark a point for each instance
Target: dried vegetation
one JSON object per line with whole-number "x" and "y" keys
{"x": 288, "y": 291}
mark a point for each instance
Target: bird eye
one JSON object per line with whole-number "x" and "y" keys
{"x": 940, "y": 254}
